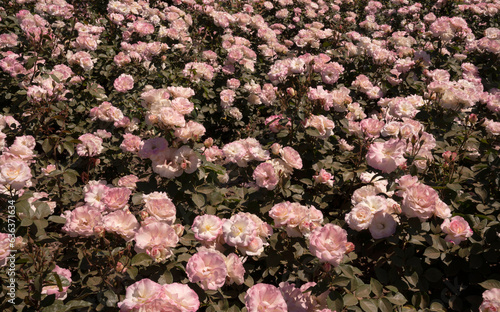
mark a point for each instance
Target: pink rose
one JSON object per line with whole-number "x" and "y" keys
{"x": 386, "y": 156}
{"x": 91, "y": 145}
{"x": 81, "y": 221}
{"x": 122, "y": 223}
{"x": 160, "y": 206}
{"x": 179, "y": 297}
{"x": 117, "y": 198}
{"x": 457, "y": 229}
{"x": 156, "y": 239}
{"x": 265, "y": 297}
{"x": 491, "y": 300}
{"x": 265, "y": 176}
{"x": 207, "y": 227}
{"x": 328, "y": 243}
{"x": 324, "y": 177}
{"x": 207, "y": 267}
{"x": 235, "y": 269}
{"x": 65, "y": 276}
{"x": 139, "y": 294}
{"x": 14, "y": 173}
{"x": 382, "y": 225}
{"x": 239, "y": 230}
{"x": 291, "y": 157}
{"x": 419, "y": 200}
{"x": 124, "y": 83}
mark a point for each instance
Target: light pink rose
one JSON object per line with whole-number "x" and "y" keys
{"x": 4, "y": 248}
{"x": 457, "y": 228}
{"x": 81, "y": 221}
{"x": 95, "y": 191}
{"x": 207, "y": 267}
{"x": 328, "y": 243}
{"x": 131, "y": 143}
{"x": 280, "y": 213}
{"x": 14, "y": 173}
{"x": 117, "y": 198}
{"x": 65, "y": 276}
{"x": 124, "y": 83}
{"x": 156, "y": 239}
{"x": 122, "y": 223}
{"x": 291, "y": 157}
{"x": 360, "y": 217}
{"x": 91, "y": 145}
{"x": 382, "y": 225}
{"x": 491, "y": 300}
{"x": 386, "y": 156}
{"x": 419, "y": 200}
{"x": 128, "y": 181}
{"x": 207, "y": 227}
{"x": 235, "y": 269}
{"x": 239, "y": 230}
{"x": 179, "y": 297}
{"x": 324, "y": 125}
{"x": 160, "y": 206}
{"x": 265, "y": 176}
{"x": 324, "y": 177}
{"x": 265, "y": 297}
{"x": 139, "y": 295}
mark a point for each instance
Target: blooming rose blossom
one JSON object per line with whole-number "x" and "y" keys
{"x": 91, "y": 145}
{"x": 14, "y": 173}
{"x": 386, "y": 156}
{"x": 139, "y": 295}
{"x": 65, "y": 276}
{"x": 491, "y": 300}
{"x": 291, "y": 157}
{"x": 265, "y": 176}
{"x": 207, "y": 267}
{"x": 179, "y": 297}
{"x": 457, "y": 229}
{"x": 81, "y": 221}
{"x": 160, "y": 206}
{"x": 265, "y": 297}
{"x": 324, "y": 177}
{"x": 239, "y": 230}
{"x": 382, "y": 225}
{"x": 121, "y": 222}
{"x": 235, "y": 269}
{"x": 207, "y": 227}
{"x": 360, "y": 217}
{"x": 128, "y": 181}
{"x": 419, "y": 200}
{"x": 328, "y": 243}
{"x": 131, "y": 143}
{"x": 117, "y": 198}
{"x": 124, "y": 83}
{"x": 156, "y": 239}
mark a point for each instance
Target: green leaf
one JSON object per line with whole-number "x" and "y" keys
{"x": 489, "y": 284}
{"x": 70, "y": 177}
{"x": 431, "y": 252}
{"x": 350, "y": 300}
{"x": 77, "y": 304}
{"x": 385, "y": 305}
{"x": 141, "y": 259}
{"x": 397, "y": 299}
{"x": 363, "y": 291}
{"x": 198, "y": 199}
{"x": 368, "y": 305}
{"x": 57, "y": 219}
{"x": 376, "y": 287}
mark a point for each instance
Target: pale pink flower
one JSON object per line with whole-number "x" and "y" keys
{"x": 81, "y": 221}
{"x": 239, "y": 230}
{"x": 116, "y": 198}
{"x": 14, "y": 173}
{"x": 235, "y": 269}
{"x": 457, "y": 229}
{"x": 280, "y": 213}
{"x": 265, "y": 176}
{"x": 207, "y": 267}
{"x": 324, "y": 177}
{"x": 131, "y": 143}
{"x": 291, "y": 157}
{"x": 386, "y": 156}
{"x": 121, "y": 222}
{"x": 156, "y": 239}
{"x": 419, "y": 200}
{"x": 128, "y": 181}
{"x": 65, "y": 276}
{"x": 207, "y": 227}
{"x": 91, "y": 145}
{"x": 491, "y": 300}
{"x": 328, "y": 243}
{"x": 382, "y": 225}
{"x": 5, "y": 247}
{"x": 160, "y": 206}
{"x": 265, "y": 297}
{"x": 124, "y": 83}
{"x": 95, "y": 191}
{"x": 140, "y": 294}
{"x": 324, "y": 125}
{"x": 179, "y": 297}
{"x": 359, "y": 218}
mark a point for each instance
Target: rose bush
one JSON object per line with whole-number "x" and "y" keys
{"x": 279, "y": 155}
